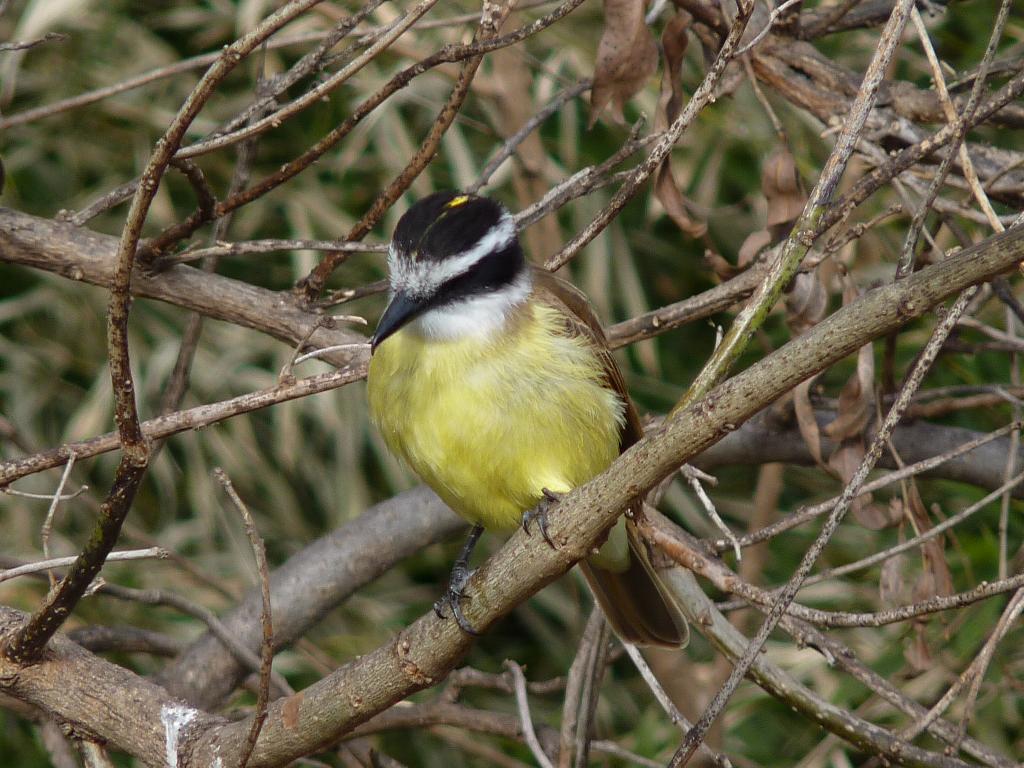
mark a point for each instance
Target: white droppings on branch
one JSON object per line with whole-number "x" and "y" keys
{"x": 175, "y": 717}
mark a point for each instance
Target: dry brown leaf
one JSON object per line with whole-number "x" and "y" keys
{"x": 847, "y": 429}
{"x": 720, "y": 265}
{"x": 854, "y": 408}
{"x": 892, "y": 584}
{"x": 917, "y": 653}
{"x": 936, "y": 579}
{"x": 626, "y": 57}
{"x": 844, "y": 462}
{"x": 805, "y": 420}
{"x": 666, "y": 189}
{"x": 673, "y": 42}
{"x": 671, "y": 198}
{"x": 855, "y": 400}
{"x": 870, "y": 515}
{"x": 783, "y": 191}
{"x": 894, "y": 511}
{"x": 806, "y": 302}
{"x": 753, "y": 245}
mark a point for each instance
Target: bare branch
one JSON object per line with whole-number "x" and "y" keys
{"x": 185, "y": 65}
{"x": 906, "y": 260}
{"x": 181, "y": 421}
{"x": 63, "y": 562}
{"x": 24, "y": 45}
{"x": 519, "y": 688}
{"x": 266, "y": 621}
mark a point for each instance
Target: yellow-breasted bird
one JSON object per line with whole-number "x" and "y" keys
{"x": 492, "y": 379}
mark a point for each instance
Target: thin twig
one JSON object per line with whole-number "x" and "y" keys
{"x": 259, "y": 551}
{"x": 63, "y": 562}
{"x": 574, "y": 687}
{"x": 313, "y": 95}
{"x": 245, "y": 657}
{"x": 687, "y": 551}
{"x": 593, "y": 673}
{"x": 830, "y": 17}
{"x": 103, "y": 203}
{"x": 654, "y": 684}
{"x": 28, "y": 642}
{"x": 23, "y": 45}
{"x": 43, "y": 496}
{"x": 523, "y": 705}
{"x": 295, "y": 166}
{"x": 950, "y": 522}
{"x": 611, "y": 748}
{"x": 970, "y": 174}
{"x": 864, "y": 735}
{"x": 249, "y": 247}
{"x": 314, "y": 61}
{"x": 693, "y": 477}
{"x": 582, "y": 181}
{"x": 181, "y": 421}
{"x": 91, "y": 97}
{"x": 47, "y": 526}
{"x": 981, "y": 662}
{"x": 972, "y": 675}
{"x": 177, "y": 383}
{"x": 512, "y": 142}
{"x": 908, "y": 157}
{"x": 763, "y": 32}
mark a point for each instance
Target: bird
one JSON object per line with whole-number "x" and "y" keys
{"x": 492, "y": 379}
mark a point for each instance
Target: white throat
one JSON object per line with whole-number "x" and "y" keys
{"x": 474, "y": 316}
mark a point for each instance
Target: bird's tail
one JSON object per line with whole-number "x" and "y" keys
{"x": 634, "y": 601}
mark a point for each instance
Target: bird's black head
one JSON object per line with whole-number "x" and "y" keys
{"x": 450, "y": 251}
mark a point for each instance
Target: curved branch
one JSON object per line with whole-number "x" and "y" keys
{"x": 81, "y": 254}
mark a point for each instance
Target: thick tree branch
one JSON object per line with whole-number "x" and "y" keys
{"x": 80, "y": 254}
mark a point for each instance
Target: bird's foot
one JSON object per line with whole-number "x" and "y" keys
{"x": 453, "y": 597}
{"x": 540, "y": 514}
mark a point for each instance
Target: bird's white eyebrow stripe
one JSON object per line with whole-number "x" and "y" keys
{"x": 423, "y": 277}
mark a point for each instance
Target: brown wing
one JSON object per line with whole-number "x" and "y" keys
{"x": 581, "y": 320}
{"x": 634, "y": 601}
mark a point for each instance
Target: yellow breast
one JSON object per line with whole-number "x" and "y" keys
{"x": 488, "y": 422}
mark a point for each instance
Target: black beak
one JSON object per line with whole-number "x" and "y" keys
{"x": 402, "y": 309}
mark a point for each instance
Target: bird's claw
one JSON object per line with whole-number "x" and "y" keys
{"x": 453, "y": 597}
{"x": 540, "y": 514}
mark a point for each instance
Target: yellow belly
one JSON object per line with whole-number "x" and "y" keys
{"x": 490, "y": 422}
